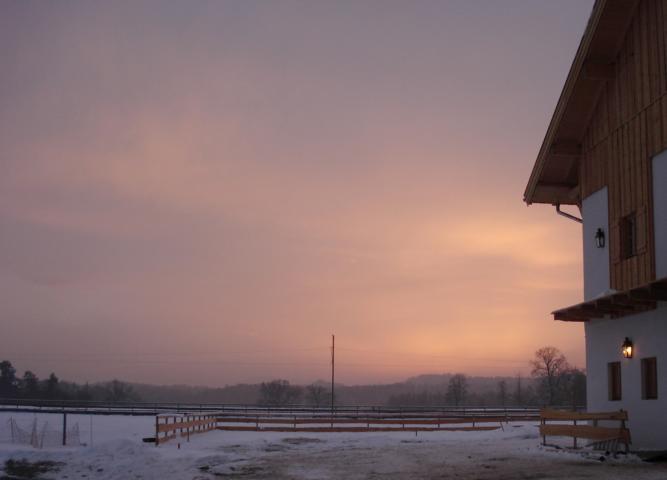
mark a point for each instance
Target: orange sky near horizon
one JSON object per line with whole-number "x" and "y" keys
{"x": 203, "y": 193}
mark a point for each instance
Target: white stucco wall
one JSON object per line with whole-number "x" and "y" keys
{"x": 660, "y": 213}
{"x": 648, "y": 331}
{"x": 595, "y": 214}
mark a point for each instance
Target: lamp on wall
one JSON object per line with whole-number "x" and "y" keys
{"x": 599, "y": 238}
{"x": 627, "y": 348}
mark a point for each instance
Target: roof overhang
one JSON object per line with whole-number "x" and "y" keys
{"x": 555, "y": 176}
{"x": 616, "y": 305}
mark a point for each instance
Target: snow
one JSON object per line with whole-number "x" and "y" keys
{"x": 117, "y": 452}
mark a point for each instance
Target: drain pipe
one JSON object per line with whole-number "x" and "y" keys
{"x": 567, "y": 215}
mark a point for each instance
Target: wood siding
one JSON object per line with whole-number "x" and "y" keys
{"x": 628, "y": 127}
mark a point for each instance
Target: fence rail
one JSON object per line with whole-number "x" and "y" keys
{"x": 324, "y": 424}
{"x": 156, "y": 408}
{"x": 603, "y": 437}
{"x": 168, "y": 427}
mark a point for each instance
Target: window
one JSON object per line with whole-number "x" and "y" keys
{"x": 629, "y": 236}
{"x": 649, "y": 378}
{"x": 614, "y": 380}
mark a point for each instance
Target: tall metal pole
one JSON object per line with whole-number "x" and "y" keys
{"x": 333, "y": 347}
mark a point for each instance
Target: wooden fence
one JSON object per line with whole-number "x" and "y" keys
{"x": 168, "y": 427}
{"x": 603, "y": 436}
{"x": 359, "y": 424}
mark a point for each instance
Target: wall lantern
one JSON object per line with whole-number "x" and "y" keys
{"x": 627, "y": 348}
{"x": 599, "y": 238}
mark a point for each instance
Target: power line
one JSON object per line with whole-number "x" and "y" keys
{"x": 433, "y": 355}
{"x": 301, "y": 364}
{"x": 167, "y": 353}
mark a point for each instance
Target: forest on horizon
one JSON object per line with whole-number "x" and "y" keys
{"x": 553, "y": 382}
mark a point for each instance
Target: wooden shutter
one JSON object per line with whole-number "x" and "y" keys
{"x": 642, "y": 230}
{"x": 615, "y": 242}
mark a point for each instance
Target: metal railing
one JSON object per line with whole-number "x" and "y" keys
{"x": 222, "y": 409}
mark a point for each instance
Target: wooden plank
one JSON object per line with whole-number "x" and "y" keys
{"x": 635, "y": 59}
{"x": 614, "y": 100}
{"x": 644, "y": 256}
{"x": 649, "y": 295}
{"x": 644, "y": 54}
{"x": 639, "y": 181}
{"x": 585, "y": 431}
{"x": 370, "y": 420}
{"x": 566, "y": 148}
{"x": 164, "y": 438}
{"x": 551, "y": 414}
{"x": 653, "y": 48}
{"x": 481, "y": 412}
{"x": 356, "y": 429}
{"x": 614, "y": 204}
{"x": 168, "y": 427}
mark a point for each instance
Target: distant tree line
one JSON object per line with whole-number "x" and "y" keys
{"x": 553, "y": 382}
{"x": 29, "y": 386}
{"x": 280, "y": 392}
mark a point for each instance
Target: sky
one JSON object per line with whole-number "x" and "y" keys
{"x": 204, "y": 192}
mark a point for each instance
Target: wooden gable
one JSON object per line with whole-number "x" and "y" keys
{"x": 610, "y": 121}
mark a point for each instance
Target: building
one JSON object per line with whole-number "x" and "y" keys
{"x": 605, "y": 152}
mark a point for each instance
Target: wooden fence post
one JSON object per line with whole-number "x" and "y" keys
{"x": 64, "y": 428}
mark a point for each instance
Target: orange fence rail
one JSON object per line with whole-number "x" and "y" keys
{"x": 603, "y": 436}
{"x": 168, "y": 427}
{"x": 321, "y": 424}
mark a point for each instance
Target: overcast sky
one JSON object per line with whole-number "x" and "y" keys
{"x": 203, "y": 192}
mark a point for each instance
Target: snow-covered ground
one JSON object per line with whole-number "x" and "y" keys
{"x": 117, "y": 452}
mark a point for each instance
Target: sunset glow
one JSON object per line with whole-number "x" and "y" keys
{"x": 204, "y": 192}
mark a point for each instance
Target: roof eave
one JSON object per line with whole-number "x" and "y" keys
{"x": 596, "y": 66}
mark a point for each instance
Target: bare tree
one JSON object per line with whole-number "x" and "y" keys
{"x": 278, "y": 392}
{"x": 29, "y": 385}
{"x": 52, "y": 387}
{"x": 502, "y": 392}
{"x": 518, "y": 393}
{"x": 317, "y": 395}
{"x": 573, "y": 387}
{"x": 8, "y": 380}
{"x": 549, "y": 365}
{"x": 457, "y": 389}
{"x": 117, "y": 391}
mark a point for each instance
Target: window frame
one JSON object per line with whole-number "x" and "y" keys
{"x": 649, "y": 367}
{"x": 614, "y": 382}
{"x": 628, "y": 231}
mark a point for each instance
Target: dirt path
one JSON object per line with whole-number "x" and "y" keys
{"x": 509, "y": 454}
{"x": 416, "y": 460}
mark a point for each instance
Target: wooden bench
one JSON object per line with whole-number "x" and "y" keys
{"x": 603, "y": 437}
